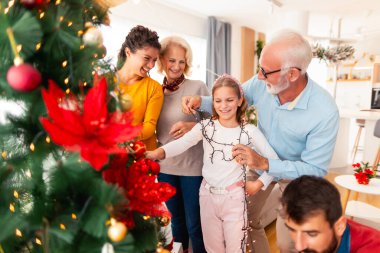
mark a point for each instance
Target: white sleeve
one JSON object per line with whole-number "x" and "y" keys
{"x": 182, "y": 144}
{"x": 262, "y": 146}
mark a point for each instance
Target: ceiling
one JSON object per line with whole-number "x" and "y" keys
{"x": 347, "y": 19}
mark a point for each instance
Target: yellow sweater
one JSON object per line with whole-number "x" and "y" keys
{"x": 147, "y": 99}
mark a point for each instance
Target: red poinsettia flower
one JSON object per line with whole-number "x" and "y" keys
{"x": 139, "y": 181}
{"x": 87, "y": 128}
{"x": 363, "y": 173}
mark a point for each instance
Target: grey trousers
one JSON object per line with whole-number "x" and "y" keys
{"x": 257, "y": 239}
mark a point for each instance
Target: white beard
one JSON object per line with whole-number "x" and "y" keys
{"x": 275, "y": 90}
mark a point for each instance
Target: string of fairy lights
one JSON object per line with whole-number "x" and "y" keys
{"x": 209, "y": 124}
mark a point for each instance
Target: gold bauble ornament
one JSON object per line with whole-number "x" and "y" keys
{"x": 125, "y": 102}
{"x": 163, "y": 221}
{"x": 93, "y": 37}
{"x": 162, "y": 250}
{"x": 117, "y": 231}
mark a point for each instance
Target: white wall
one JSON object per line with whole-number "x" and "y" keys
{"x": 235, "y": 51}
{"x": 165, "y": 21}
{"x": 160, "y": 16}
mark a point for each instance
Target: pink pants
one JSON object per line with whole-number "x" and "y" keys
{"x": 223, "y": 218}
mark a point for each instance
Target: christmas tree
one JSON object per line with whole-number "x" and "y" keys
{"x": 72, "y": 175}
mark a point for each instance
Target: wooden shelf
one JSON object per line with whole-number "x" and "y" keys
{"x": 354, "y": 80}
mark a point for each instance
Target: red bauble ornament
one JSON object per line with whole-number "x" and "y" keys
{"x": 30, "y": 4}
{"x": 139, "y": 149}
{"x": 24, "y": 77}
{"x": 154, "y": 167}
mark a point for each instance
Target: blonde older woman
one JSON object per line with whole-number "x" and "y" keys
{"x": 182, "y": 171}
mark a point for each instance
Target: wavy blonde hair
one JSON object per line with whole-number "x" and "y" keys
{"x": 177, "y": 41}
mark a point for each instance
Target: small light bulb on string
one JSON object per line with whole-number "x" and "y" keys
{"x": 38, "y": 241}
{"x": 38, "y": 46}
{"x": 73, "y": 216}
{"x": 12, "y": 207}
{"x": 4, "y": 154}
{"x": 6, "y": 10}
{"x": 61, "y": 18}
{"x": 32, "y": 147}
{"x": 57, "y": 2}
{"x": 64, "y": 64}
{"x": 80, "y": 32}
{"x": 81, "y": 47}
{"x": 67, "y": 91}
{"x": 15, "y": 194}
{"x": 66, "y": 81}
{"x": 146, "y": 217}
{"x": 18, "y": 232}
{"x": 62, "y": 226}
{"x": 42, "y": 14}
{"x": 47, "y": 139}
{"x": 70, "y": 23}
{"x": 28, "y": 173}
{"x": 85, "y": 84}
{"x": 11, "y": 3}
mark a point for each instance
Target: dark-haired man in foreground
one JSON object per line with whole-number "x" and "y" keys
{"x": 313, "y": 214}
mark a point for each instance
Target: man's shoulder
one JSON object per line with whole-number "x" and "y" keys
{"x": 363, "y": 238}
{"x": 321, "y": 100}
{"x": 254, "y": 83}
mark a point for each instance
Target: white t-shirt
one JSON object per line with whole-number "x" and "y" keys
{"x": 219, "y": 168}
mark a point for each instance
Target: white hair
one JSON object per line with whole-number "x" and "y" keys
{"x": 298, "y": 54}
{"x": 178, "y": 41}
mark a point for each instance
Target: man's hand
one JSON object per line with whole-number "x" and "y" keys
{"x": 245, "y": 155}
{"x": 190, "y": 103}
{"x": 252, "y": 187}
{"x": 180, "y": 128}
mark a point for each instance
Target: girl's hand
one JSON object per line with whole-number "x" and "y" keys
{"x": 252, "y": 187}
{"x": 157, "y": 154}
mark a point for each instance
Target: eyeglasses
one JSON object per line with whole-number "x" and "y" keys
{"x": 266, "y": 74}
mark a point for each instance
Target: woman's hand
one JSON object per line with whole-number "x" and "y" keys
{"x": 252, "y": 187}
{"x": 180, "y": 128}
{"x": 157, "y": 154}
{"x": 190, "y": 103}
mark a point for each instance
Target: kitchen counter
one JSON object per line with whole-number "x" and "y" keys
{"x": 342, "y": 151}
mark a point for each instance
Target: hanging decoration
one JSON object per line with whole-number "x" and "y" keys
{"x": 93, "y": 37}
{"x": 22, "y": 76}
{"x": 31, "y": 4}
{"x": 138, "y": 148}
{"x": 117, "y": 231}
{"x": 333, "y": 54}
